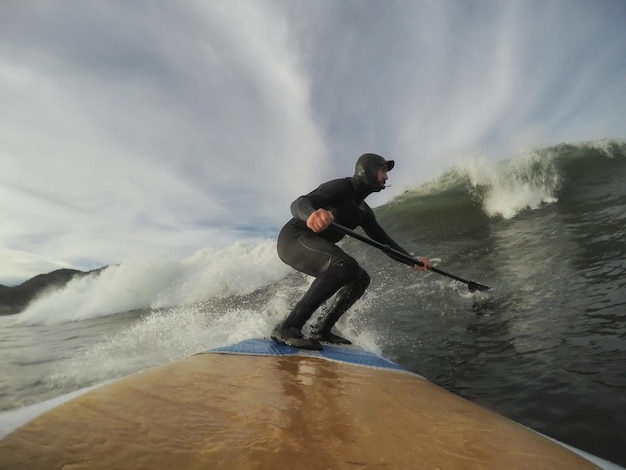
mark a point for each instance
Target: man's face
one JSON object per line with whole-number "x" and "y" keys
{"x": 382, "y": 175}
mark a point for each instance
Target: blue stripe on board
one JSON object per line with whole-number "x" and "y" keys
{"x": 349, "y": 354}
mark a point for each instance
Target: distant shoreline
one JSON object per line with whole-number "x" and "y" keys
{"x": 15, "y": 299}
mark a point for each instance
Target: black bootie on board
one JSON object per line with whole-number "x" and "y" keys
{"x": 289, "y": 331}
{"x": 293, "y": 337}
{"x": 321, "y": 329}
{"x": 345, "y": 298}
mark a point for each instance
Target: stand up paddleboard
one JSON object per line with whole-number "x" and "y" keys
{"x": 258, "y": 404}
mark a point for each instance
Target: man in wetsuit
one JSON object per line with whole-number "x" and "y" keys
{"x": 307, "y": 244}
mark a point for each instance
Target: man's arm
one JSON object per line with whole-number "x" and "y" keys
{"x": 302, "y": 208}
{"x": 373, "y": 229}
{"x": 325, "y": 196}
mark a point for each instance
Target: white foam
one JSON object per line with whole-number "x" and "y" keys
{"x": 143, "y": 283}
{"x": 165, "y": 335}
{"x": 525, "y": 182}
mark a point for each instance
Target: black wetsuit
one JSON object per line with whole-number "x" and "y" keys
{"x": 317, "y": 254}
{"x": 314, "y": 253}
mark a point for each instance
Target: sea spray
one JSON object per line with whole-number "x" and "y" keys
{"x": 506, "y": 188}
{"x": 158, "y": 337}
{"x": 166, "y": 334}
{"x": 144, "y": 283}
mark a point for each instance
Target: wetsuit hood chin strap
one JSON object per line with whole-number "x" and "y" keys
{"x": 366, "y": 172}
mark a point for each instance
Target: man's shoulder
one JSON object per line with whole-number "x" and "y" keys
{"x": 339, "y": 185}
{"x": 339, "y": 181}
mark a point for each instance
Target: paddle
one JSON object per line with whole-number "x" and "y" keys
{"x": 473, "y": 286}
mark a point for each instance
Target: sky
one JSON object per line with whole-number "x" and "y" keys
{"x": 152, "y": 128}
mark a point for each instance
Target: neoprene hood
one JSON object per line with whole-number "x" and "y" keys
{"x": 366, "y": 170}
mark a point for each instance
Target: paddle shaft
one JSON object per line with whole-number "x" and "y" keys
{"x": 398, "y": 254}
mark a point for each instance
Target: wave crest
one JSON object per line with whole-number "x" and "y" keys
{"x": 142, "y": 283}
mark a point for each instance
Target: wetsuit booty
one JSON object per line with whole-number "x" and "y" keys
{"x": 330, "y": 338}
{"x": 346, "y": 297}
{"x": 293, "y": 337}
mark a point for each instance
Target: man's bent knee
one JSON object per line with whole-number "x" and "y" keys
{"x": 346, "y": 271}
{"x": 361, "y": 283}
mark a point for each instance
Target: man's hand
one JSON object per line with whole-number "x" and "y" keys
{"x": 426, "y": 264}
{"x": 319, "y": 220}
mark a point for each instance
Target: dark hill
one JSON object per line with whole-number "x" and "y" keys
{"x": 15, "y": 299}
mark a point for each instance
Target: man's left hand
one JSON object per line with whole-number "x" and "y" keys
{"x": 426, "y": 264}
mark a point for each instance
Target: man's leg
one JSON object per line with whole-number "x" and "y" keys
{"x": 289, "y": 331}
{"x": 345, "y": 298}
{"x": 331, "y": 266}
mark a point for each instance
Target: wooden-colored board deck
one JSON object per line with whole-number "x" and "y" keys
{"x": 214, "y": 411}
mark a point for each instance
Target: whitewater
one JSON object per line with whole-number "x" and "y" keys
{"x": 546, "y": 346}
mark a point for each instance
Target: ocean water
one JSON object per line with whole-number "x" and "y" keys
{"x": 546, "y": 346}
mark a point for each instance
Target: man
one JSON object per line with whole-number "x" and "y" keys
{"x": 307, "y": 244}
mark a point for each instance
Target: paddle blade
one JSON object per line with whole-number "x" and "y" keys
{"x": 474, "y": 286}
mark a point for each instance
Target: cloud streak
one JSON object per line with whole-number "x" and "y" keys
{"x": 158, "y": 128}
